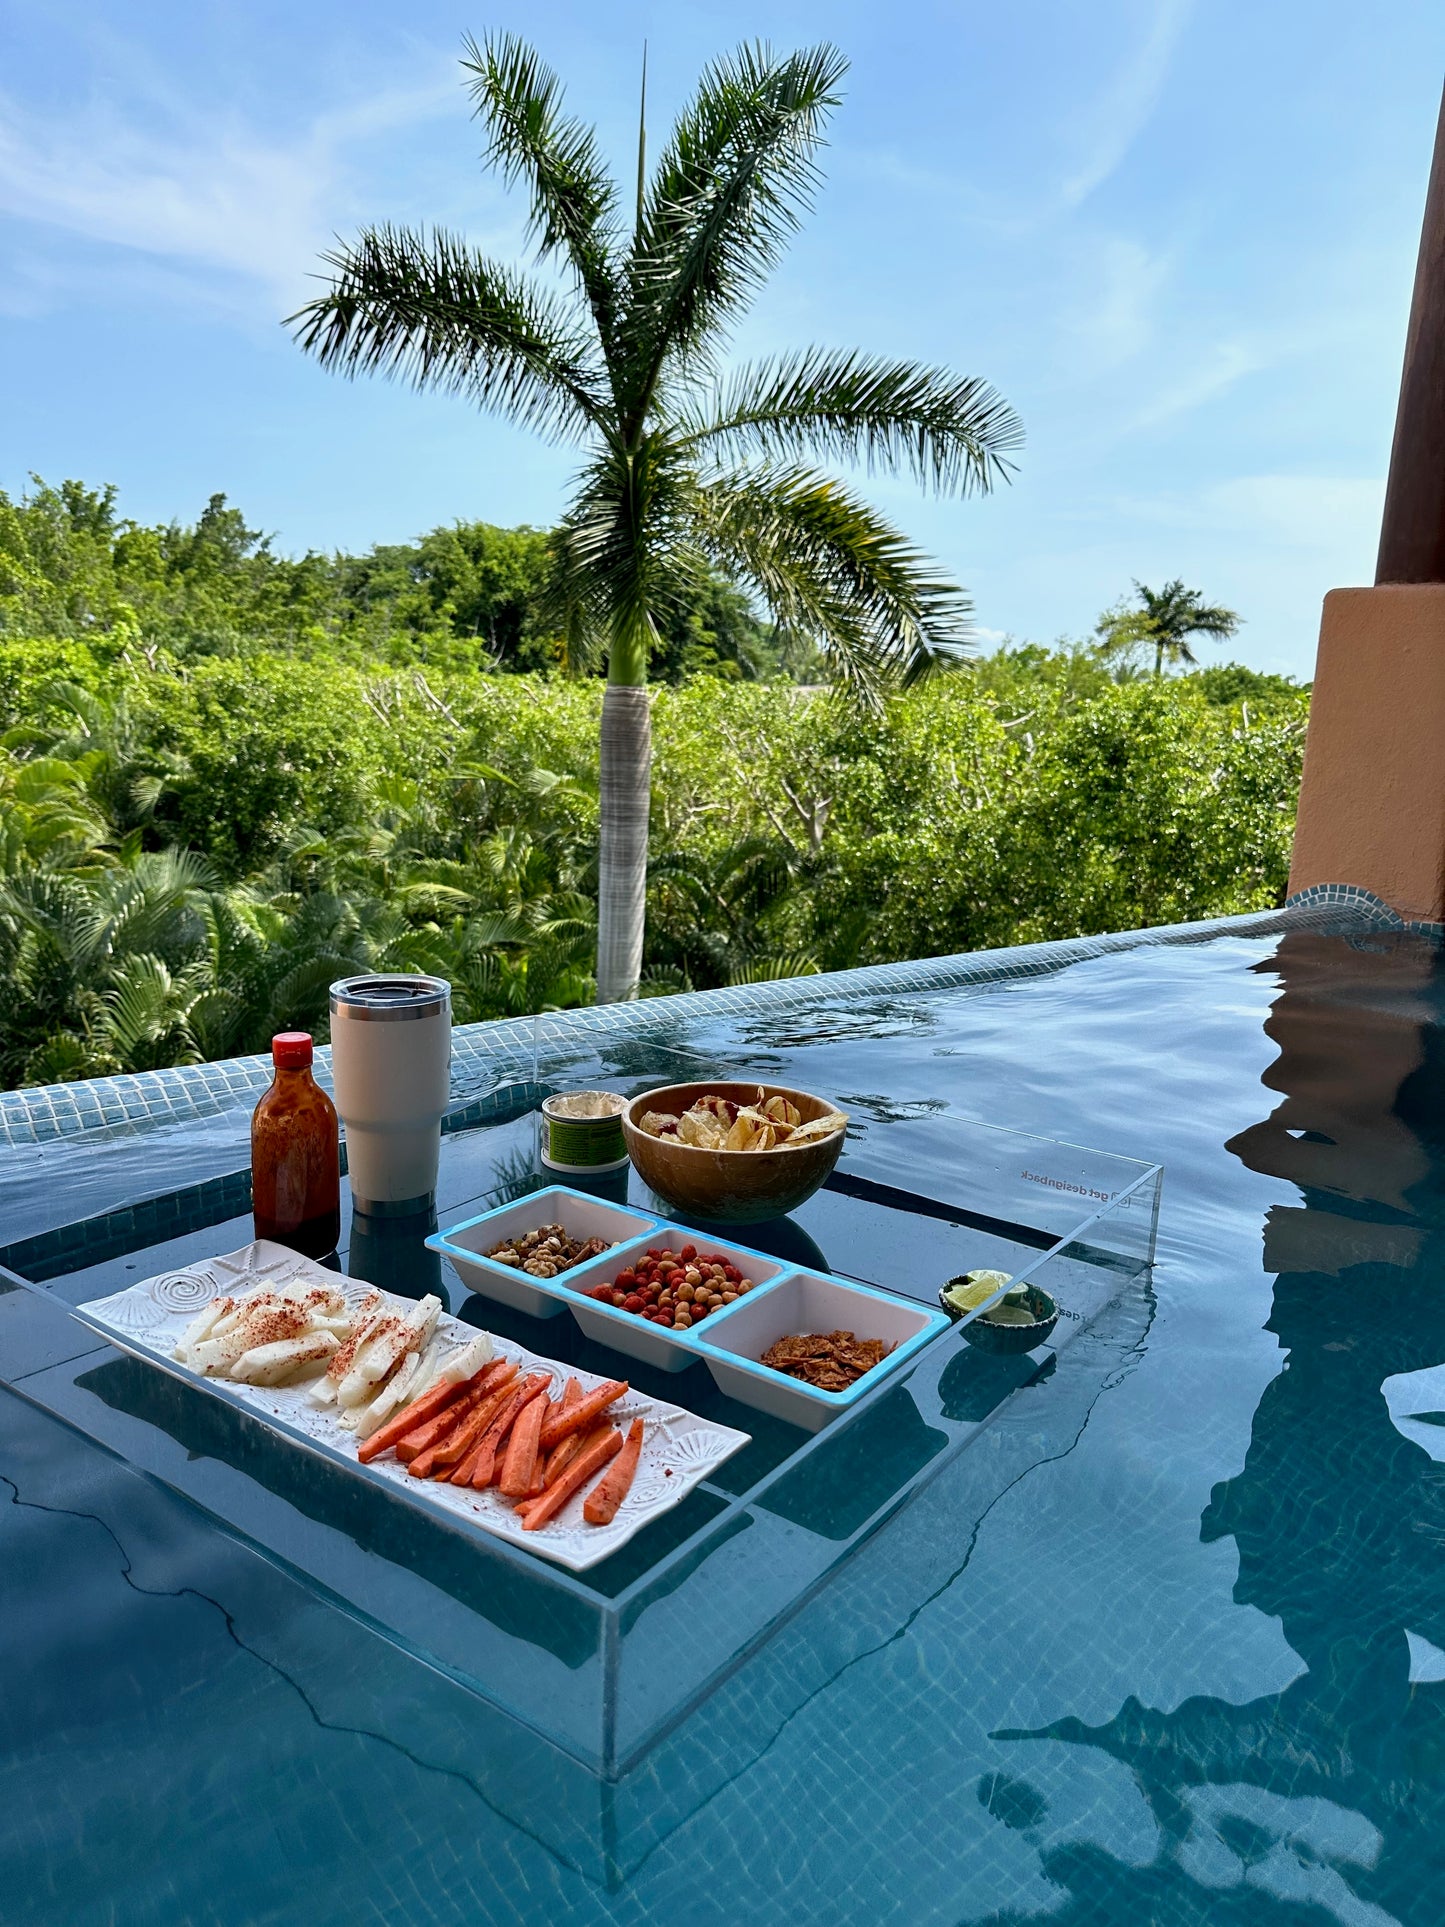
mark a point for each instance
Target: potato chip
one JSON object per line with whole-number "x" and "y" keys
{"x": 700, "y": 1129}
{"x": 820, "y": 1127}
{"x": 715, "y": 1123}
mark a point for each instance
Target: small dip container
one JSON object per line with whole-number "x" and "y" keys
{"x": 582, "y": 1131}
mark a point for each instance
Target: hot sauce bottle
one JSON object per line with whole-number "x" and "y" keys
{"x": 295, "y": 1162}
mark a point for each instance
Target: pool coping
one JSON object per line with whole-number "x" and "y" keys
{"x": 501, "y": 1053}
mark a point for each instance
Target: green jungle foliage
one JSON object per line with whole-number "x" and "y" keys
{"x": 227, "y": 778}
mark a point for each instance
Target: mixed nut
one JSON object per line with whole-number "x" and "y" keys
{"x": 546, "y": 1251}
{"x": 677, "y": 1289}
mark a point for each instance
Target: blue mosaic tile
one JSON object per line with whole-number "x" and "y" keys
{"x": 1355, "y": 898}
{"x": 486, "y": 1058}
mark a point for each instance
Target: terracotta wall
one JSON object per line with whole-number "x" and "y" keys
{"x": 1372, "y": 805}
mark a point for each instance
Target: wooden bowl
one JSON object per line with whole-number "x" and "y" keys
{"x": 728, "y": 1187}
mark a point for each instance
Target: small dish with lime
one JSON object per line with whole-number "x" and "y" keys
{"x": 1023, "y": 1318}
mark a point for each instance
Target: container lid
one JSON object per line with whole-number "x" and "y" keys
{"x": 291, "y": 1049}
{"x": 390, "y": 999}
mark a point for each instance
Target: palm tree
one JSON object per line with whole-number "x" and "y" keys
{"x": 682, "y": 468}
{"x": 1164, "y": 622}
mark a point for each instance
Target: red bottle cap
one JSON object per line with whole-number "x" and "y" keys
{"x": 291, "y": 1050}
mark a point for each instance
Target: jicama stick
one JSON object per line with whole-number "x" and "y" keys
{"x": 483, "y": 1461}
{"x": 404, "y": 1382}
{"x": 427, "y": 1406}
{"x": 591, "y": 1459}
{"x": 521, "y": 1460}
{"x": 600, "y": 1506}
{"x": 584, "y": 1413}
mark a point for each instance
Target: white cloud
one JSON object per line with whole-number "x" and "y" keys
{"x": 1224, "y": 365}
{"x": 1121, "y": 113}
{"x": 1333, "y": 514}
{"x": 1327, "y": 513}
{"x": 187, "y": 188}
{"x": 1110, "y": 317}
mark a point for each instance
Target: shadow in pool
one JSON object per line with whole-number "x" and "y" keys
{"x": 975, "y": 1383}
{"x": 524, "y": 1604}
{"x": 852, "y": 1474}
{"x": 1338, "y": 1518}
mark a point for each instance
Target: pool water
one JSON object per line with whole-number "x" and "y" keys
{"x": 1187, "y": 1665}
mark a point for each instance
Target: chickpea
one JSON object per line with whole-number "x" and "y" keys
{"x": 729, "y": 1298}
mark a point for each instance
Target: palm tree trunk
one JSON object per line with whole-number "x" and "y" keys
{"x": 626, "y": 793}
{"x": 1159, "y": 659}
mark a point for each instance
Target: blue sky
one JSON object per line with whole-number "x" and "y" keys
{"x": 1179, "y": 237}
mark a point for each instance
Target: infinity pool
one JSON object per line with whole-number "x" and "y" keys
{"x": 1187, "y": 1665}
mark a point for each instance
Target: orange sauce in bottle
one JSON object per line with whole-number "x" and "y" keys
{"x": 295, "y": 1157}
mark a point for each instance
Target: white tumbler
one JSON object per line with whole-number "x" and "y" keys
{"x": 391, "y": 1047}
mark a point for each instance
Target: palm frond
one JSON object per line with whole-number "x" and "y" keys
{"x": 574, "y": 201}
{"x": 625, "y": 554}
{"x": 770, "y": 970}
{"x": 832, "y": 568}
{"x": 730, "y": 189}
{"x": 952, "y": 432}
{"x": 432, "y": 312}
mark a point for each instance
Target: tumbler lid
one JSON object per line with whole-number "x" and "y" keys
{"x": 390, "y": 999}
{"x": 291, "y": 1050}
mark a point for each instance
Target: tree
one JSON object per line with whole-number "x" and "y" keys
{"x": 1163, "y": 622}
{"x": 682, "y": 469}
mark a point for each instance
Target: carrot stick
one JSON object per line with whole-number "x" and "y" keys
{"x": 585, "y": 1412}
{"x": 421, "y": 1465}
{"x": 561, "y": 1456}
{"x": 423, "y": 1437}
{"x": 459, "y": 1469}
{"x": 427, "y": 1406}
{"x": 572, "y": 1445}
{"x": 428, "y": 1432}
{"x": 601, "y": 1503}
{"x": 521, "y": 1461}
{"x": 483, "y": 1461}
{"x": 552, "y": 1462}
{"x": 459, "y": 1442}
{"x": 577, "y": 1474}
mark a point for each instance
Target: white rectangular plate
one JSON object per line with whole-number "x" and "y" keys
{"x": 678, "y": 1448}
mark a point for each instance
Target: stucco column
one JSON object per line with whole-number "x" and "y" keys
{"x": 1372, "y": 805}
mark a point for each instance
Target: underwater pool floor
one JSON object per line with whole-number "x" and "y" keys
{"x": 1166, "y": 1645}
